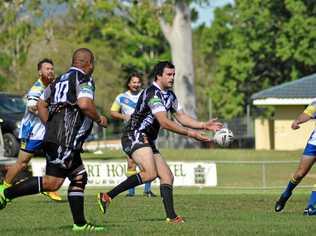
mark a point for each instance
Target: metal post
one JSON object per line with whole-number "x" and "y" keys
{"x": 264, "y": 175}
{"x": 1, "y": 142}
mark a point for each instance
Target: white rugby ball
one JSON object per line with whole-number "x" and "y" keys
{"x": 224, "y": 137}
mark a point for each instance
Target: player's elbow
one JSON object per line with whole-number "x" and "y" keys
{"x": 84, "y": 104}
{"x": 114, "y": 115}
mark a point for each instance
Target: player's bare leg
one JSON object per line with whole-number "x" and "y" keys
{"x": 303, "y": 168}
{"x": 166, "y": 189}
{"x": 21, "y": 164}
{"x": 131, "y": 170}
{"x": 144, "y": 158}
{"x": 32, "y": 185}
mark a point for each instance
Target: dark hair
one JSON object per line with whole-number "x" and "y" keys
{"x": 160, "y": 66}
{"x": 41, "y": 62}
{"x": 135, "y": 74}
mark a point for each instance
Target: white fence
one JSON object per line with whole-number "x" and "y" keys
{"x": 259, "y": 174}
{"x": 224, "y": 174}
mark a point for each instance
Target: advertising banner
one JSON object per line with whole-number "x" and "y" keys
{"x": 110, "y": 173}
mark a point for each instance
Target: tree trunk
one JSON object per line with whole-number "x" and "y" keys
{"x": 179, "y": 36}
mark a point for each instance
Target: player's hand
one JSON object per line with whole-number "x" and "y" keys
{"x": 295, "y": 125}
{"x": 212, "y": 125}
{"x": 32, "y": 109}
{"x": 198, "y": 135}
{"x": 103, "y": 121}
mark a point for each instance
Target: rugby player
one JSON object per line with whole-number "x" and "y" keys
{"x": 140, "y": 134}
{"x": 68, "y": 110}
{"x": 122, "y": 108}
{"x": 32, "y": 130}
{"x": 306, "y": 162}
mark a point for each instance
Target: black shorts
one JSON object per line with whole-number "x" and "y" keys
{"x": 133, "y": 141}
{"x": 62, "y": 164}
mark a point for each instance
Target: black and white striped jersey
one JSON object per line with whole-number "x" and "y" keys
{"x": 67, "y": 126}
{"x": 151, "y": 101}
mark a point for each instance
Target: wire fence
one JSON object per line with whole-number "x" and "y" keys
{"x": 259, "y": 174}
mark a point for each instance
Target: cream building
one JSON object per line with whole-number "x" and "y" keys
{"x": 289, "y": 100}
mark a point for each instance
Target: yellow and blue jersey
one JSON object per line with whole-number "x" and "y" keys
{"x": 310, "y": 149}
{"x": 125, "y": 103}
{"x": 311, "y": 110}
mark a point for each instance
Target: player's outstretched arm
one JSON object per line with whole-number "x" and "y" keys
{"x": 89, "y": 109}
{"x": 170, "y": 125}
{"x": 119, "y": 116}
{"x": 302, "y": 118}
{"x": 189, "y": 121}
{"x": 306, "y": 115}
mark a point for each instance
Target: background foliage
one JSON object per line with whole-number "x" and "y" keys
{"x": 251, "y": 45}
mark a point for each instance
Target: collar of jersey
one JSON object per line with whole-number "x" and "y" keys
{"x": 133, "y": 95}
{"x": 41, "y": 82}
{"x": 163, "y": 91}
{"x": 76, "y": 68}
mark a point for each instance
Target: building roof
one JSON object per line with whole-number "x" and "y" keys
{"x": 301, "y": 91}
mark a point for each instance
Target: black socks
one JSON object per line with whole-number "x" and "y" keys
{"x": 167, "y": 198}
{"x": 30, "y": 186}
{"x": 130, "y": 182}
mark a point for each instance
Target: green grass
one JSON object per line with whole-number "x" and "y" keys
{"x": 207, "y": 154}
{"x": 229, "y": 174}
{"x": 208, "y": 211}
{"x": 224, "y": 210}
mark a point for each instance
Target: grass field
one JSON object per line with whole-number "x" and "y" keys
{"x": 208, "y": 211}
{"x": 240, "y": 175}
{"x": 207, "y": 154}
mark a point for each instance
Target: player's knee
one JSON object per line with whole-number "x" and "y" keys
{"x": 171, "y": 179}
{"x": 22, "y": 165}
{"x": 79, "y": 181}
{"x": 167, "y": 179}
{"x": 149, "y": 175}
{"x": 299, "y": 175}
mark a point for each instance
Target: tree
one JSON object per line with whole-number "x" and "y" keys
{"x": 179, "y": 36}
{"x": 258, "y": 44}
{"x": 129, "y": 27}
{"x": 14, "y": 37}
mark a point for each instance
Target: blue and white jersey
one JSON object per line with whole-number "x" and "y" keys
{"x": 31, "y": 126}
{"x": 125, "y": 103}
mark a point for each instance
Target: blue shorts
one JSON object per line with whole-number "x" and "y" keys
{"x": 310, "y": 150}
{"x": 31, "y": 146}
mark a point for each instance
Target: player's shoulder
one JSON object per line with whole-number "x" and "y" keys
{"x": 37, "y": 87}
{"x": 124, "y": 94}
{"x": 38, "y": 84}
{"x": 78, "y": 74}
{"x": 152, "y": 90}
{"x": 120, "y": 96}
